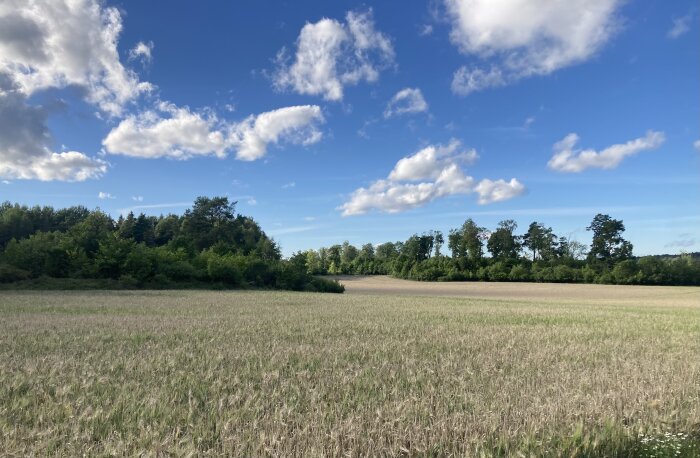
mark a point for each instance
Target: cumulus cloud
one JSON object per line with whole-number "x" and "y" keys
{"x": 430, "y": 161}
{"x": 497, "y": 191}
{"x": 568, "y": 159}
{"x": 25, "y": 141}
{"x": 54, "y": 44}
{"x": 515, "y": 39}
{"x": 169, "y": 131}
{"x": 429, "y": 174}
{"x": 137, "y": 198}
{"x": 406, "y": 101}
{"x": 142, "y": 51}
{"x": 105, "y": 195}
{"x": 59, "y": 43}
{"x": 292, "y": 124}
{"x": 331, "y": 54}
{"x": 180, "y": 133}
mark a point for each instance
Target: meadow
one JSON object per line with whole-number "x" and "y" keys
{"x": 391, "y": 368}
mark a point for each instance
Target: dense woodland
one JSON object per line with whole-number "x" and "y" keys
{"x": 476, "y": 253}
{"x": 209, "y": 246}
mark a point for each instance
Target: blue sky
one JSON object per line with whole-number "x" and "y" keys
{"x": 333, "y": 121}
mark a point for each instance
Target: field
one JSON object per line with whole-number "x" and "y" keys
{"x": 389, "y": 368}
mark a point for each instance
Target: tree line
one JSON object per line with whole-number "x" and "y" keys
{"x": 208, "y": 246}
{"x": 537, "y": 255}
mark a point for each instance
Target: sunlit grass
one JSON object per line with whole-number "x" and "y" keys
{"x": 272, "y": 373}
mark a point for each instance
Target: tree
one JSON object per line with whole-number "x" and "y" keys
{"x": 540, "y": 241}
{"x": 210, "y": 220}
{"x": 125, "y": 226}
{"x": 167, "y": 229}
{"x": 439, "y": 240}
{"x": 466, "y": 244}
{"x": 503, "y": 244}
{"x": 347, "y": 256}
{"x": 608, "y": 246}
{"x": 313, "y": 263}
{"x": 572, "y": 249}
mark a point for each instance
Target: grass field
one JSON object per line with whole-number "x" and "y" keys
{"x": 389, "y": 368}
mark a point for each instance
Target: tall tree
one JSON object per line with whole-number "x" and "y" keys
{"x": 540, "y": 240}
{"x": 608, "y": 245}
{"x": 503, "y": 244}
{"x": 466, "y": 244}
{"x": 211, "y": 220}
{"x": 439, "y": 241}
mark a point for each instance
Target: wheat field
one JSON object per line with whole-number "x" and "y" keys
{"x": 372, "y": 372}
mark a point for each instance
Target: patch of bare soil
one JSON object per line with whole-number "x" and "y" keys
{"x": 687, "y": 296}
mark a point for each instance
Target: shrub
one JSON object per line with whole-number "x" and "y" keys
{"x": 9, "y": 274}
{"x": 225, "y": 269}
{"x": 324, "y": 285}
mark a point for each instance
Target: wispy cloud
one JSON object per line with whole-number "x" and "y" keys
{"x": 293, "y": 230}
{"x": 135, "y": 208}
{"x": 680, "y": 26}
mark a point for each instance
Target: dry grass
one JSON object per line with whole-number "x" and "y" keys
{"x": 294, "y": 374}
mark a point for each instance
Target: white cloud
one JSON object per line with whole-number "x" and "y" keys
{"x": 289, "y": 185}
{"x": 105, "y": 195}
{"x": 430, "y": 161}
{"x": 292, "y": 124}
{"x": 568, "y": 159}
{"x": 179, "y": 133}
{"x": 696, "y": 145}
{"x": 25, "y": 142}
{"x": 137, "y": 198}
{"x": 680, "y": 26}
{"x": 426, "y": 30}
{"x": 515, "y": 39}
{"x": 59, "y": 43}
{"x": 406, "y": 101}
{"x": 142, "y": 51}
{"x": 429, "y": 174}
{"x": 467, "y": 80}
{"x": 54, "y": 44}
{"x": 251, "y": 201}
{"x": 135, "y": 208}
{"x": 331, "y": 54}
{"x": 497, "y": 191}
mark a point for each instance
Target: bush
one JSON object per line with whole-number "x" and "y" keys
{"x": 519, "y": 273}
{"x": 498, "y": 271}
{"x": 324, "y": 285}
{"x": 9, "y": 274}
{"x": 225, "y": 269}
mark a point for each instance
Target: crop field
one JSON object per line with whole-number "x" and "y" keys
{"x": 391, "y": 368}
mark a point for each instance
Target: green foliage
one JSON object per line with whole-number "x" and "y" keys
{"x": 608, "y": 246}
{"x": 208, "y": 245}
{"x": 550, "y": 258}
